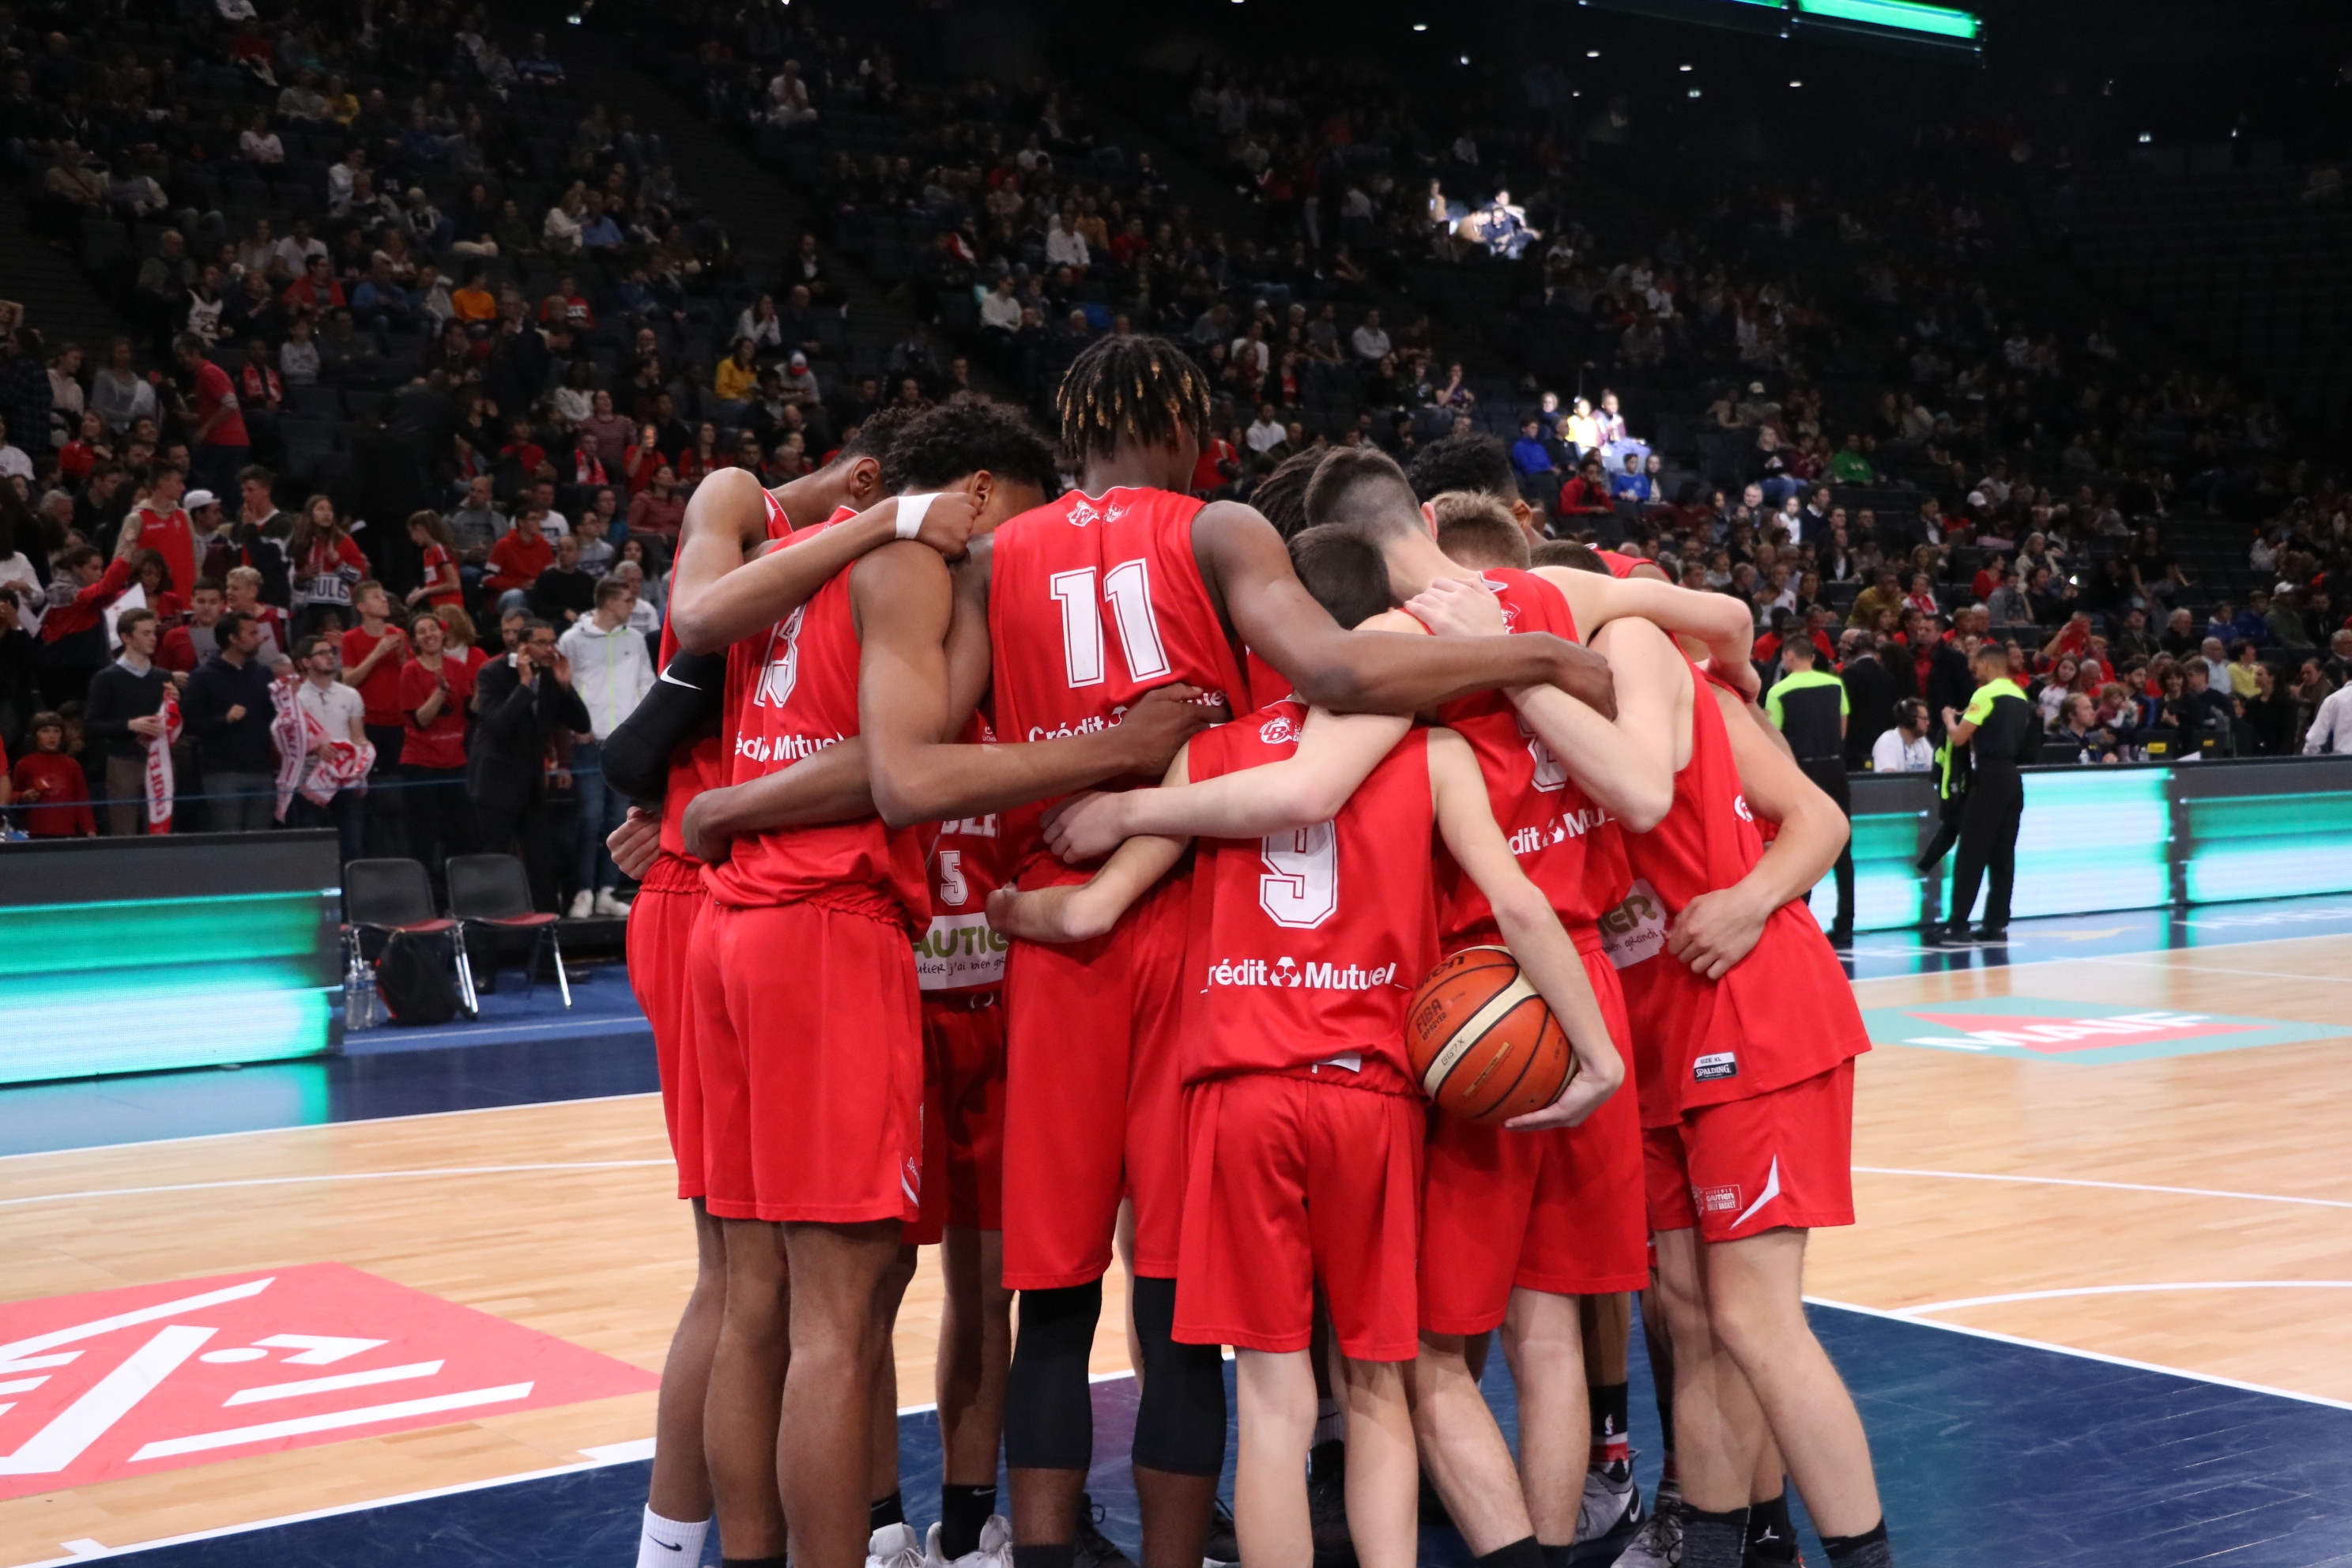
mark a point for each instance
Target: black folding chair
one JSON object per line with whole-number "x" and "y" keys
{"x": 494, "y": 891}
{"x": 396, "y": 896}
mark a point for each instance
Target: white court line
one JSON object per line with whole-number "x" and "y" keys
{"x": 312, "y": 1127}
{"x": 2123, "y": 1290}
{"x": 2112, "y": 1186}
{"x": 366, "y": 1416}
{"x": 2048, "y": 963}
{"x": 2184, "y": 968}
{"x": 334, "y": 1176}
{"x": 330, "y": 1384}
{"x": 2079, "y": 1354}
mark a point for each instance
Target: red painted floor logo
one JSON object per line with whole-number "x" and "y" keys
{"x": 121, "y": 1382}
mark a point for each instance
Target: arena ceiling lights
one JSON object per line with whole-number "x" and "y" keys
{"x": 1903, "y": 24}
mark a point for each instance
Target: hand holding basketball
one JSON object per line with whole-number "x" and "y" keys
{"x": 1483, "y": 1043}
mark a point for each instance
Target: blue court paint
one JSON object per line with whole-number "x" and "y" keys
{"x": 1986, "y": 1453}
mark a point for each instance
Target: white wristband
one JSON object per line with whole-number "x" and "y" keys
{"x": 911, "y": 509}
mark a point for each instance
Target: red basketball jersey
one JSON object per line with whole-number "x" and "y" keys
{"x": 1782, "y": 1015}
{"x": 1308, "y": 944}
{"x": 794, "y": 692}
{"x": 1566, "y": 843}
{"x": 1093, "y": 601}
{"x": 703, "y": 764}
{"x": 959, "y": 952}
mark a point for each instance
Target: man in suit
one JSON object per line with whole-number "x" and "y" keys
{"x": 519, "y": 703}
{"x": 1870, "y": 696}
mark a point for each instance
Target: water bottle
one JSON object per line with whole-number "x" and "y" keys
{"x": 359, "y": 993}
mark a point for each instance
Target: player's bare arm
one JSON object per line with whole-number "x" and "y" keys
{"x": 1092, "y": 907}
{"x": 902, "y": 596}
{"x": 717, "y": 598}
{"x": 831, "y": 786}
{"x": 1720, "y": 622}
{"x": 1628, "y": 766}
{"x": 1716, "y": 930}
{"x": 1249, "y": 574}
{"x": 1531, "y": 930}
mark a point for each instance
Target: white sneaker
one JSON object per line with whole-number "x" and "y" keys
{"x": 995, "y": 1549}
{"x": 894, "y": 1546}
{"x": 583, "y": 904}
{"x": 609, "y": 902}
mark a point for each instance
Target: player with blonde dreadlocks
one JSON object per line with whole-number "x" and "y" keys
{"x": 1078, "y": 618}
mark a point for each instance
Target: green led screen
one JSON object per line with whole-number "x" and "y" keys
{"x": 1897, "y": 17}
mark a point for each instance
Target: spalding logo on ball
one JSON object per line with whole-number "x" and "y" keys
{"x": 1481, "y": 1040}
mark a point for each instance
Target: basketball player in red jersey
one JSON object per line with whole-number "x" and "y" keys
{"x": 1745, "y": 1032}
{"x": 1179, "y": 588}
{"x": 987, "y": 453}
{"x": 681, "y": 733}
{"x": 1296, "y": 1173}
{"x": 1518, "y": 1223}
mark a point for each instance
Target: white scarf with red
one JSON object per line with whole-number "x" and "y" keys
{"x": 341, "y": 764}
{"x": 159, "y": 780}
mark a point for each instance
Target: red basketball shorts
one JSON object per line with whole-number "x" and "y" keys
{"x": 1093, "y": 1109}
{"x": 1746, "y": 1166}
{"x": 660, "y": 935}
{"x": 963, "y": 1115}
{"x": 1558, "y": 1211}
{"x": 812, "y": 1054}
{"x": 1288, "y": 1179}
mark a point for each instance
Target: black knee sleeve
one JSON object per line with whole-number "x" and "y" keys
{"x": 1180, "y": 1426}
{"x": 1049, "y": 1418}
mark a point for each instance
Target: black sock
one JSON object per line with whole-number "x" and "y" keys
{"x": 962, "y": 1512}
{"x": 1609, "y": 1404}
{"x": 1521, "y": 1554}
{"x": 891, "y": 1510}
{"x": 1714, "y": 1540}
{"x": 1771, "y": 1538}
{"x": 1058, "y": 1554}
{"x": 776, "y": 1561}
{"x": 1666, "y": 1392}
{"x": 1868, "y": 1549}
{"x": 1558, "y": 1556}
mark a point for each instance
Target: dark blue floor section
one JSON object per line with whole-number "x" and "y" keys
{"x": 1987, "y": 1453}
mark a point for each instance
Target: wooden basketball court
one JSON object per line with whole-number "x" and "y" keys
{"x": 2188, "y": 1211}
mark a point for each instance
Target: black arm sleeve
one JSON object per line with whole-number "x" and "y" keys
{"x": 683, "y": 706}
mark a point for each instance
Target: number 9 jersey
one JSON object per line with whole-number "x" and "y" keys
{"x": 1092, "y": 602}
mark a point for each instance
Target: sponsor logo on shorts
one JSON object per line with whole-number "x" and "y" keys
{"x": 1715, "y": 1200}
{"x": 1311, "y": 976}
{"x": 782, "y": 748}
{"x": 958, "y": 951}
{"x": 1568, "y": 825}
{"x": 1721, "y": 1064}
{"x": 1739, "y": 804}
{"x": 1635, "y": 930}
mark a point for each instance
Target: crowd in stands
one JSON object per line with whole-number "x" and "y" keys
{"x": 384, "y": 270}
{"x": 373, "y": 267}
{"x": 1844, "y": 422}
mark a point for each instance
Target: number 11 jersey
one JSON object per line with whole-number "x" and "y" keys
{"x": 1092, "y": 602}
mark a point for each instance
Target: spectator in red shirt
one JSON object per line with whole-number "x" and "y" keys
{"x": 436, "y": 686}
{"x": 73, "y": 635}
{"x": 185, "y": 647}
{"x": 522, "y": 553}
{"x": 372, "y": 652}
{"x": 1587, "y": 495}
{"x": 660, "y": 510}
{"x": 1220, "y": 465}
{"x": 437, "y": 549}
{"x": 159, "y": 523}
{"x": 52, "y": 795}
{"x": 155, "y": 578}
{"x": 215, "y": 424}
{"x": 317, "y": 292}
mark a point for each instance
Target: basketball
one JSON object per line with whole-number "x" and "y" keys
{"x": 1481, "y": 1040}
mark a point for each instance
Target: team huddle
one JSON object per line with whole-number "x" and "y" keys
{"x": 1046, "y": 875}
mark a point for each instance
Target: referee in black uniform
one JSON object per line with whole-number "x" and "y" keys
{"x": 1809, "y": 705}
{"x": 2001, "y": 728}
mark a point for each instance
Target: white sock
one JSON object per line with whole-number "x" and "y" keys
{"x": 668, "y": 1543}
{"x": 1330, "y": 1426}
